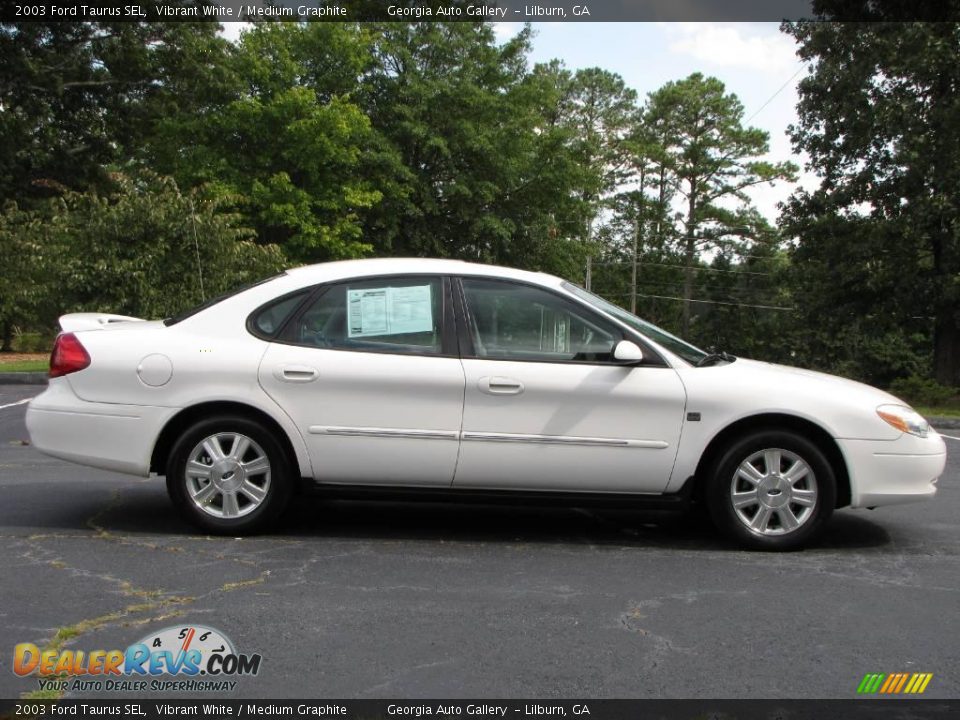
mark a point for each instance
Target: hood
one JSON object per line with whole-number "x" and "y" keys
{"x": 844, "y": 408}
{"x": 818, "y": 379}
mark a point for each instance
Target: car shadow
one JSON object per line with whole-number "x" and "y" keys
{"x": 143, "y": 508}
{"x": 500, "y": 523}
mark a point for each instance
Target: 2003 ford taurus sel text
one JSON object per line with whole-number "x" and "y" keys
{"x": 435, "y": 378}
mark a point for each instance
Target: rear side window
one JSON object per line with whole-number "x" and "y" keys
{"x": 267, "y": 321}
{"x": 393, "y": 315}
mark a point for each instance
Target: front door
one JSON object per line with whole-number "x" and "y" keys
{"x": 547, "y": 407}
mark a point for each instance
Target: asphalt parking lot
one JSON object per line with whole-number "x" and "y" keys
{"x": 354, "y": 600}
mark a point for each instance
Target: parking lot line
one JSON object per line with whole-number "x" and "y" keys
{"x": 949, "y": 436}
{"x": 18, "y": 402}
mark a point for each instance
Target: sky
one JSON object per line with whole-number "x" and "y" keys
{"x": 754, "y": 60}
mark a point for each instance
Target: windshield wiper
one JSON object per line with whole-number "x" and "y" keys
{"x": 715, "y": 356}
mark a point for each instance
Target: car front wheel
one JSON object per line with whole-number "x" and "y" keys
{"x": 771, "y": 490}
{"x": 229, "y": 475}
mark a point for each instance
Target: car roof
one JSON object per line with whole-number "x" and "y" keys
{"x": 342, "y": 269}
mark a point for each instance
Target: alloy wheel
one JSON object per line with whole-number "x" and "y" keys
{"x": 773, "y": 492}
{"x": 227, "y": 475}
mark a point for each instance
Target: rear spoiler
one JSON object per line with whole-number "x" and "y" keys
{"x": 92, "y": 321}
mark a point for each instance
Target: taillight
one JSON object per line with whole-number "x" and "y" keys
{"x": 68, "y": 355}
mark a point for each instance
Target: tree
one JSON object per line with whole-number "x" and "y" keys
{"x": 76, "y": 97}
{"x": 878, "y": 250}
{"x": 711, "y": 159}
{"x": 650, "y": 214}
{"x": 145, "y": 249}
{"x": 25, "y": 273}
{"x": 288, "y": 141}
{"x": 599, "y": 109}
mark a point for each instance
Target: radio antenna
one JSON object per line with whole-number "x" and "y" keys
{"x": 196, "y": 247}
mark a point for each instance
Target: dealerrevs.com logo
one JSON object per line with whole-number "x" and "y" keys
{"x": 182, "y": 658}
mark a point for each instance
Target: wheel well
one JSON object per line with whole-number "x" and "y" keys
{"x": 186, "y": 417}
{"x": 813, "y": 432}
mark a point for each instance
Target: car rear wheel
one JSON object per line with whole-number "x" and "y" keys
{"x": 771, "y": 490}
{"x": 229, "y": 475}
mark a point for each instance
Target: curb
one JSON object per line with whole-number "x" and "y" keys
{"x": 951, "y": 423}
{"x": 23, "y": 378}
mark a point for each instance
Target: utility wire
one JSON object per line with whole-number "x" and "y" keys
{"x": 683, "y": 267}
{"x": 770, "y": 99}
{"x": 717, "y": 302}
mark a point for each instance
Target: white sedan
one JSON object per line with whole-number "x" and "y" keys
{"x": 444, "y": 379}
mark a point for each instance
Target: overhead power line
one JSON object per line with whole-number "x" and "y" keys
{"x": 682, "y": 267}
{"x": 717, "y": 302}
{"x": 771, "y": 98}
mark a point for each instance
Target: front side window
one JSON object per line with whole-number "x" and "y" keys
{"x": 396, "y": 315}
{"x": 679, "y": 347}
{"x": 509, "y": 321}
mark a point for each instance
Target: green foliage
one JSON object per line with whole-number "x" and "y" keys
{"x": 32, "y": 342}
{"x": 600, "y": 111}
{"x": 711, "y": 159}
{"x": 880, "y": 238}
{"x": 473, "y": 159}
{"x": 26, "y": 287}
{"x": 127, "y": 148}
{"x": 288, "y": 142}
{"x": 145, "y": 249}
{"x": 77, "y": 96}
{"x": 923, "y": 391}
{"x": 861, "y": 351}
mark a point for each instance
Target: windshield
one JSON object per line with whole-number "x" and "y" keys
{"x": 190, "y": 312}
{"x": 678, "y": 347}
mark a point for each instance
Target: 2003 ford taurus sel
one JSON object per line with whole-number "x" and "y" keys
{"x": 434, "y": 378}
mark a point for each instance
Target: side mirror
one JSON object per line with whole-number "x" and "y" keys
{"x": 628, "y": 352}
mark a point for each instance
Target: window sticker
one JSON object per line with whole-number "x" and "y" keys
{"x": 389, "y": 310}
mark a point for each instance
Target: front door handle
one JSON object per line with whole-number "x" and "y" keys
{"x": 296, "y": 373}
{"x": 500, "y": 386}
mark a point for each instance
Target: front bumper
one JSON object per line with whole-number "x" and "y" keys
{"x": 103, "y": 435}
{"x": 892, "y": 472}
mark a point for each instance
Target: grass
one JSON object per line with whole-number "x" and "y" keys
{"x": 25, "y": 366}
{"x": 951, "y": 411}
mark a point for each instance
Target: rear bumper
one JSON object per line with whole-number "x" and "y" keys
{"x": 892, "y": 472}
{"x": 103, "y": 435}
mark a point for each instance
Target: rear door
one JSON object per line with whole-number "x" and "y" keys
{"x": 547, "y": 407}
{"x": 369, "y": 372}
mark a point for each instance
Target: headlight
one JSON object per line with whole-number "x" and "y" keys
{"x": 904, "y": 419}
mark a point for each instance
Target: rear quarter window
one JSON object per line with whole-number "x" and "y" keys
{"x": 266, "y": 321}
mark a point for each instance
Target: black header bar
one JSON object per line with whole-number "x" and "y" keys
{"x": 405, "y": 10}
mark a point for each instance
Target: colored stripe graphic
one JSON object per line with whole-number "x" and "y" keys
{"x": 894, "y": 683}
{"x": 870, "y": 683}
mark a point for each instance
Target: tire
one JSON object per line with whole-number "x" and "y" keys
{"x": 229, "y": 475}
{"x": 763, "y": 508}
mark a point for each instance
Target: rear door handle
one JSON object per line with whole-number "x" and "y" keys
{"x": 500, "y": 386}
{"x": 296, "y": 373}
